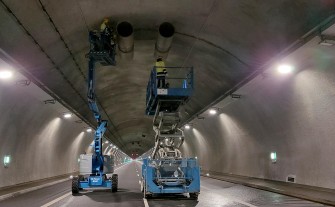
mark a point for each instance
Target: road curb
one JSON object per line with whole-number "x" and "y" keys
{"x": 274, "y": 190}
{"x": 13, "y": 194}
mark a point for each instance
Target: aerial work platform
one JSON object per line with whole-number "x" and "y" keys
{"x": 179, "y": 87}
{"x": 167, "y": 171}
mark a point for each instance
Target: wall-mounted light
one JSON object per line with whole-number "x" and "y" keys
{"x": 235, "y": 96}
{"x": 6, "y": 160}
{"x": 6, "y": 74}
{"x": 285, "y": 69}
{"x": 213, "y": 111}
{"x": 78, "y": 159}
{"x": 89, "y": 130}
{"x": 273, "y": 157}
{"x": 327, "y": 40}
{"x": 196, "y": 157}
{"x": 23, "y": 82}
{"x": 50, "y": 101}
{"x": 187, "y": 126}
{"x": 207, "y": 174}
{"x": 106, "y": 142}
{"x": 67, "y": 115}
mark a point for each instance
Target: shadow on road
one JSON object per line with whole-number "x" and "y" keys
{"x": 171, "y": 200}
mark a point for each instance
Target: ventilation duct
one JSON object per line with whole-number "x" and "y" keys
{"x": 125, "y": 39}
{"x": 164, "y": 40}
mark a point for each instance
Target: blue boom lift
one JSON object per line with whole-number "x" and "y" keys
{"x": 166, "y": 171}
{"x": 94, "y": 168}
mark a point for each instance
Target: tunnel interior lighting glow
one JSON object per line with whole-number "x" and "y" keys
{"x": 78, "y": 159}
{"x": 285, "y": 69}
{"x": 187, "y": 126}
{"x": 196, "y": 157}
{"x": 207, "y": 174}
{"x": 89, "y": 130}
{"x": 6, "y": 160}
{"x": 67, "y": 115}
{"x": 273, "y": 156}
{"x": 114, "y": 147}
{"x": 71, "y": 176}
{"x": 106, "y": 142}
{"x": 6, "y": 74}
{"x": 213, "y": 111}
{"x": 326, "y": 43}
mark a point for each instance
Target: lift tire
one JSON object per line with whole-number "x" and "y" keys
{"x": 142, "y": 185}
{"x": 145, "y": 194}
{"x": 81, "y": 178}
{"x": 114, "y": 182}
{"x": 75, "y": 185}
{"x": 194, "y": 196}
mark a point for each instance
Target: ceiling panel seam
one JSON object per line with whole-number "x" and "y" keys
{"x": 114, "y": 131}
{"x": 41, "y": 48}
{"x": 53, "y": 63}
{"x": 317, "y": 30}
{"x": 200, "y": 30}
{"x": 62, "y": 39}
{"x": 50, "y": 59}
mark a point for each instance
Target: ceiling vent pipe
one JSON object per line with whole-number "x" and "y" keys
{"x": 125, "y": 39}
{"x": 164, "y": 40}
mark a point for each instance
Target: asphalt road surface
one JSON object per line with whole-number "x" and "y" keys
{"x": 214, "y": 193}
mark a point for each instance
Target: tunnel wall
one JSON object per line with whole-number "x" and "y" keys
{"x": 40, "y": 142}
{"x": 291, "y": 115}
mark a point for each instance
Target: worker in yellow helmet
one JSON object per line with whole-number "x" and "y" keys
{"x": 106, "y": 34}
{"x": 104, "y": 24}
{"x": 160, "y": 72}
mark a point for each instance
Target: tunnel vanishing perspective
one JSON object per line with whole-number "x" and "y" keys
{"x": 239, "y": 92}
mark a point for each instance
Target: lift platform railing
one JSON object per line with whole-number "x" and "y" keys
{"x": 178, "y": 86}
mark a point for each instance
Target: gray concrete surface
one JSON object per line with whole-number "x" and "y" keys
{"x": 225, "y": 41}
{"x": 291, "y": 115}
{"x": 40, "y": 142}
{"x": 213, "y": 193}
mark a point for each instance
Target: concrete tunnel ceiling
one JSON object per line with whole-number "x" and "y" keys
{"x": 225, "y": 41}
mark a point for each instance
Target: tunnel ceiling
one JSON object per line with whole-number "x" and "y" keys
{"x": 225, "y": 41}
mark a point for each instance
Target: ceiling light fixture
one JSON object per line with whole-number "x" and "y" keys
{"x": 285, "y": 69}
{"x": 213, "y": 111}
{"x": 67, "y": 115}
{"x": 187, "y": 126}
{"x": 89, "y": 130}
{"x": 327, "y": 40}
{"x": 6, "y": 74}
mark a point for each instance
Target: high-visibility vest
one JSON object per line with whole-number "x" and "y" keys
{"x": 160, "y": 70}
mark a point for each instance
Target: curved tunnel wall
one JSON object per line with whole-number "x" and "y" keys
{"x": 40, "y": 142}
{"x": 291, "y": 115}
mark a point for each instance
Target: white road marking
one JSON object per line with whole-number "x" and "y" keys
{"x": 56, "y": 200}
{"x": 145, "y": 202}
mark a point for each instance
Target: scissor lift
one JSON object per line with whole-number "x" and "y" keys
{"x": 167, "y": 172}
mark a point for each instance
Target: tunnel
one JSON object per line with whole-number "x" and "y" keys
{"x": 258, "y": 123}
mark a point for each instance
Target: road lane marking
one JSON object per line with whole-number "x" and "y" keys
{"x": 145, "y": 202}
{"x": 56, "y": 200}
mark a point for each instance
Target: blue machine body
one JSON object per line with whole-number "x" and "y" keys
{"x": 180, "y": 88}
{"x": 160, "y": 178}
{"x": 167, "y": 172}
{"x": 105, "y": 55}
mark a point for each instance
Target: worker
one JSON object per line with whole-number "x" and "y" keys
{"x": 160, "y": 72}
{"x": 106, "y": 34}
